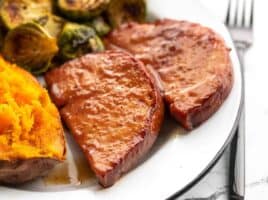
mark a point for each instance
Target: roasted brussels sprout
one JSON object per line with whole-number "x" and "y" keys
{"x": 120, "y": 11}
{"x": 81, "y": 10}
{"x": 101, "y": 27}
{"x": 76, "y": 40}
{"x": 30, "y": 46}
{"x": 52, "y": 23}
{"x": 16, "y": 12}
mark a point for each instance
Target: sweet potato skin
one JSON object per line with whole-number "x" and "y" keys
{"x": 20, "y": 171}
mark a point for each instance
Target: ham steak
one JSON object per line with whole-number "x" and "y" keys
{"x": 113, "y": 108}
{"x": 192, "y": 62}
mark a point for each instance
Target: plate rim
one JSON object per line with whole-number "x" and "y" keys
{"x": 229, "y": 139}
{"x": 218, "y": 155}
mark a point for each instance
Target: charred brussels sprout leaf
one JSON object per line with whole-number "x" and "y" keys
{"x": 100, "y": 26}
{"x": 76, "y": 40}
{"x": 96, "y": 44}
{"x": 53, "y": 24}
{"x": 31, "y": 47}
{"x": 81, "y": 9}
{"x": 16, "y": 12}
{"x": 121, "y": 11}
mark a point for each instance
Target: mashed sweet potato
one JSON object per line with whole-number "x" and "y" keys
{"x": 30, "y": 125}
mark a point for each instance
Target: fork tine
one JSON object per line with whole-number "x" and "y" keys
{"x": 236, "y": 13}
{"x": 251, "y": 14}
{"x": 228, "y": 15}
{"x": 244, "y": 13}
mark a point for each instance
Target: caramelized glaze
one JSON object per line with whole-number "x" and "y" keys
{"x": 113, "y": 108}
{"x": 192, "y": 62}
{"x": 58, "y": 176}
{"x": 70, "y": 173}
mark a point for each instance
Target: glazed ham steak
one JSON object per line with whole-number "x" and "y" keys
{"x": 192, "y": 62}
{"x": 113, "y": 108}
{"x": 111, "y": 101}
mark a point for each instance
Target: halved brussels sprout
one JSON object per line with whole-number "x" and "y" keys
{"x": 31, "y": 47}
{"x": 121, "y": 11}
{"x": 81, "y": 10}
{"x": 52, "y": 23}
{"x": 16, "y": 12}
{"x": 100, "y": 26}
{"x": 76, "y": 40}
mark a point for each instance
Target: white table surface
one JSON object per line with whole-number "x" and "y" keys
{"x": 256, "y": 76}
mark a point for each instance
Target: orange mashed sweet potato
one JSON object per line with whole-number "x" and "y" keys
{"x": 30, "y": 125}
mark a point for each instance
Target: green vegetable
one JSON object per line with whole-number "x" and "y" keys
{"x": 121, "y": 11}
{"x": 30, "y": 46}
{"x": 81, "y": 10}
{"x": 52, "y": 23}
{"x": 96, "y": 44}
{"x": 76, "y": 40}
{"x": 16, "y": 12}
{"x": 100, "y": 26}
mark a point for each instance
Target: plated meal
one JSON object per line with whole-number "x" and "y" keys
{"x": 110, "y": 74}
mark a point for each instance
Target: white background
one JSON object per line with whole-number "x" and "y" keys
{"x": 256, "y": 100}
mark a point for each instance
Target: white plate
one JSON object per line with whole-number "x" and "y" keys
{"x": 176, "y": 159}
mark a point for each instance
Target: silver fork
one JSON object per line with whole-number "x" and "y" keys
{"x": 241, "y": 29}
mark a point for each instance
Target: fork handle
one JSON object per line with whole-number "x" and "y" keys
{"x": 237, "y": 165}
